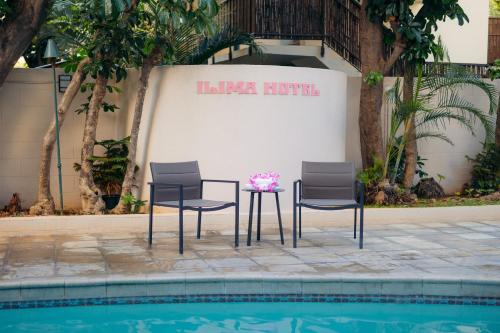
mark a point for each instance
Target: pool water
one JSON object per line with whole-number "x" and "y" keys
{"x": 256, "y": 317}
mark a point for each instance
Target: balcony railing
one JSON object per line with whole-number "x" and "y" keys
{"x": 334, "y": 22}
{"x": 493, "y": 39}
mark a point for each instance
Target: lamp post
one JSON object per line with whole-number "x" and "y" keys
{"x": 51, "y": 54}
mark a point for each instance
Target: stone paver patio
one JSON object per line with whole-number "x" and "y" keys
{"x": 446, "y": 242}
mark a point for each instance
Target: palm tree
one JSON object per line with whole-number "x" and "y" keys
{"x": 436, "y": 101}
{"x": 172, "y": 44}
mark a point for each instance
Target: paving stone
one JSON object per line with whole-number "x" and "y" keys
{"x": 476, "y": 235}
{"x": 277, "y": 260}
{"x": 230, "y": 262}
{"x": 415, "y": 242}
{"x": 73, "y": 269}
{"x": 188, "y": 264}
{"x": 421, "y": 249}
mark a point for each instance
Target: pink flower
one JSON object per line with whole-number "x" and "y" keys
{"x": 264, "y": 181}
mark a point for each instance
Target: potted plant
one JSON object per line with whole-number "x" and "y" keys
{"x": 109, "y": 169}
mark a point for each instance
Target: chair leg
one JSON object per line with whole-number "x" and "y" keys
{"x": 279, "y": 218}
{"x": 355, "y": 220}
{"x": 250, "y": 215}
{"x": 361, "y": 218}
{"x": 259, "y": 210}
{"x": 300, "y": 221}
{"x": 150, "y": 237}
{"x": 237, "y": 225}
{"x": 294, "y": 225}
{"x": 181, "y": 231}
{"x": 198, "y": 231}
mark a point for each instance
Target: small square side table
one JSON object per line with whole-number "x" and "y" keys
{"x": 259, "y": 207}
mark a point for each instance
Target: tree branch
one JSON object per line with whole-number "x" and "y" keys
{"x": 399, "y": 47}
{"x": 16, "y": 32}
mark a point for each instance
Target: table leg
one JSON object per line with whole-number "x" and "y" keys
{"x": 259, "y": 210}
{"x": 250, "y": 215}
{"x": 279, "y": 217}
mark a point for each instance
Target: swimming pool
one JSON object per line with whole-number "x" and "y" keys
{"x": 255, "y": 317}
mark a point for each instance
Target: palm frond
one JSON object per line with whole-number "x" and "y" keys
{"x": 451, "y": 101}
{"x": 433, "y": 135}
{"x": 223, "y": 39}
{"x": 456, "y": 77}
{"x": 440, "y": 118}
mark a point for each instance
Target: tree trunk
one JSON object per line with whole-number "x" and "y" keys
{"x": 17, "y": 31}
{"x": 497, "y": 129}
{"x": 411, "y": 144}
{"x": 371, "y": 96}
{"x": 128, "y": 181}
{"x": 45, "y": 201}
{"x": 90, "y": 194}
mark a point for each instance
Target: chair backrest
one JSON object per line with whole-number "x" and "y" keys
{"x": 328, "y": 180}
{"x": 185, "y": 173}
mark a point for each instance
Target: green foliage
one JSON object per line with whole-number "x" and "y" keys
{"x": 494, "y": 70}
{"x": 494, "y": 8}
{"x": 105, "y": 106}
{"x": 100, "y": 29}
{"x": 373, "y": 78}
{"x": 109, "y": 169}
{"x": 485, "y": 171}
{"x": 371, "y": 176}
{"x": 174, "y": 27}
{"x": 417, "y": 30}
{"x": 209, "y": 46}
{"x": 436, "y": 101}
{"x": 6, "y": 8}
{"x": 132, "y": 203}
{"x": 396, "y": 172}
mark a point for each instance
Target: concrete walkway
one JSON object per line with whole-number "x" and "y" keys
{"x": 427, "y": 243}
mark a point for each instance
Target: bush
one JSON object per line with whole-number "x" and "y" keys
{"x": 109, "y": 170}
{"x": 485, "y": 171}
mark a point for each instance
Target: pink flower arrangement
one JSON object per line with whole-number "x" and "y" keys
{"x": 264, "y": 181}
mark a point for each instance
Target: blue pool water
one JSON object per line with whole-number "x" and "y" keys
{"x": 256, "y": 317}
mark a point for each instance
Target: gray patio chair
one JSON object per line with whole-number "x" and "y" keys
{"x": 179, "y": 185}
{"x": 328, "y": 186}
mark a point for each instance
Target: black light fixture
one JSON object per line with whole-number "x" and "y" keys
{"x": 63, "y": 83}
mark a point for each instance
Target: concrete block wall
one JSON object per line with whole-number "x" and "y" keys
{"x": 26, "y": 109}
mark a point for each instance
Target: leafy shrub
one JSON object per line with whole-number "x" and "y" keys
{"x": 109, "y": 170}
{"x": 373, "y": 78}
{"x": 373, "y": 175}
{"x": 485, "y": 171}
{"x": 133, "y": 204}
{"x": 400, "y": 168}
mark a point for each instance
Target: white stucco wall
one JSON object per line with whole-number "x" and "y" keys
{"x": 233, "y": 136}
{"x": 467, "y": 43}
{"x": 26, "y": 108}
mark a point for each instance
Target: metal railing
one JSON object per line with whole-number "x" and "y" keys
{"x": 493, "y": 39}
{"x": 480, "y": 70}
{"x": 334, "y": 22}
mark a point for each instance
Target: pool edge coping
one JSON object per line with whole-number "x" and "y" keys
{"x": 256, "y": 284}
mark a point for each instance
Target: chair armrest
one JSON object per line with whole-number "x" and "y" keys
{"x": 295, "y": 183}
{"x": 235, "y": 182}
{"x": 220, "y": 181}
